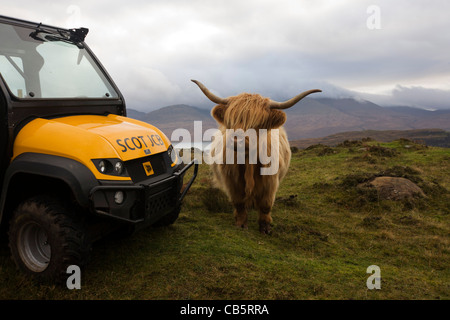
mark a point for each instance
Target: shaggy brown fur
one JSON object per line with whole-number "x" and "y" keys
{"x": 243, "y": 183}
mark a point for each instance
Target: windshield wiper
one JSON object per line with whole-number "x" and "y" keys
{"x": 73, "y": 36}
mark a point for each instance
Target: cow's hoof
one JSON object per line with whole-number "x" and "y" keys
{"x": 265, "y": 228}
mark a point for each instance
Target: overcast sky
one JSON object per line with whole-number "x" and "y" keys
{"x": 389, "y": 52}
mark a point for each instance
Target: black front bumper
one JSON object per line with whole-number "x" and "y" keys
{"x": 146, "y": 202}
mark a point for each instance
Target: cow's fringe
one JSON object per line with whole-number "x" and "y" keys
{"x": 247, "y": 111}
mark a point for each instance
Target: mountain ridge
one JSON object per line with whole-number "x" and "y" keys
{"x": 312, "y": 118}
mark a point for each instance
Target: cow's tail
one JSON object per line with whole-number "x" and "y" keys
{"x": 249, "y": 180}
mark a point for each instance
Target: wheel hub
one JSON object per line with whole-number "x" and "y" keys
{"x": 34, "y": 248}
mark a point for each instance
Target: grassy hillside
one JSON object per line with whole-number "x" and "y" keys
{"x": 326, "y": 232}
{"x": 430, "y": 137}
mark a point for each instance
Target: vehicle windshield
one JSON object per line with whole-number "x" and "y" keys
{"x": 37, "y": 64}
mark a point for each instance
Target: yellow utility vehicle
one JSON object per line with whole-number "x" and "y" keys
{"x": 73, "y": 166}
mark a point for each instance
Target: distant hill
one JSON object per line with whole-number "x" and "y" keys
{"x": 430, "y": 137}
{"x": 312, "y": 118}
{"x": 174, "y": 117}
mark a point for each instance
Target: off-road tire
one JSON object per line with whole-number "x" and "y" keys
{"x": 45, "y": 238}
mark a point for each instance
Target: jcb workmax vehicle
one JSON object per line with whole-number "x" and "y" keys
{"x": 72, "y": 164}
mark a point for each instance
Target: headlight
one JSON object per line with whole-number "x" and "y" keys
{"x": 118, "y": 168}
{"x": 119, "y": 197}
{"x": 113, "y": 167}
{"x": 172, "y": 154}
{"x": 102, "y": 166}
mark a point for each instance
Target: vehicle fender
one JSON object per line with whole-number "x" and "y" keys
{"x": 77, "y": 176}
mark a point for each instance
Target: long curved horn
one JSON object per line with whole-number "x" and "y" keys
{"x": 211, "y": 96}
{"x": 291, "y": 102}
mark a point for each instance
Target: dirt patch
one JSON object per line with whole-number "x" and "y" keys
{"x": 289, "y": 201}
{"x": 372, "y": 222}
{"x": 380, "y": 151}
{"x": 322, "y": 150}
{"x": 315, "y": 146}
{"x": 350, "y": 144}
{"x": 326, "y": 151}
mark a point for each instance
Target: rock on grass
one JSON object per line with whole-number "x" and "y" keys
{"x": 394, "y": 188}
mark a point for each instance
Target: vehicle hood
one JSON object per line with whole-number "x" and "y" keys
{"x": 87, "y": 137}
{"x": 130, "y": 138}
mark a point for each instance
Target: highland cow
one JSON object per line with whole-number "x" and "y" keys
{"x": 246, "y": 183}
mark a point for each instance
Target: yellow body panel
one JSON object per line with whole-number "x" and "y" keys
{"x": 86, "y": 137}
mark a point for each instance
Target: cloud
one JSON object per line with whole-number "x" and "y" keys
{"x": 277, "y": 48}
{"x": 421, "y": 97}
{"x": 411, "y": 96}
{"x": 147, "y": 88}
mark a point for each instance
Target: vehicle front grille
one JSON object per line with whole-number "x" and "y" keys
{"x": 160, "y": 202}
{"x": 136, "y": 171}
